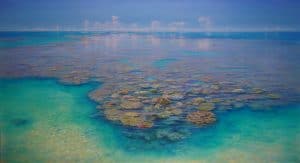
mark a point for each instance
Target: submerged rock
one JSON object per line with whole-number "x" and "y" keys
{"x": 112, "y": 114}
{"x": 201, "y": 118}
{"x": 206, "y": 106}
{"x": 273, "y": 96}
{"x": 175, "y": 96}
{"x": 215, "y": 87}
{"x": 142, "y": 92}
{"x": 145, "y": 86}
{"x": 131, "y": 104}
{"x": 215, "y": 100}
{"x": 131, "y": 114}
{"x": 154, "y": 91}
{"x": 257, "y": 91}
{"x": 179, "y": 105}
{"x": 169, "y": 135}
{"x": 207, "y": 91}
{"x": 123, "y": 92}
{"x": 114, "y": 95}
{"x": 164, "y": 114}
{"x": 198, "y": 101}
{"x": 109, "y": 105}
{"x": 174, "y": 111}
{"x": 155, "y": 86}
{"x": 169, "y": 111}
{"x": 238, "y": 90}
{"x": 134, "y": 119}
{"x": 162, "y": 101}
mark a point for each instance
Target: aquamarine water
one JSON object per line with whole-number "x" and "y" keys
{"x": 44, "y": 121}
{"x": 48, "y": 115}
{"x": 162, "y": 63}
{"x": 21, "y": 39}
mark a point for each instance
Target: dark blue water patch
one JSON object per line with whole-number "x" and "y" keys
{"x": 19, "y": 122}
{"x": 163, "y": 63}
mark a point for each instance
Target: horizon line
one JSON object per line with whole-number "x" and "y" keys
{"x": 154, "y": 31}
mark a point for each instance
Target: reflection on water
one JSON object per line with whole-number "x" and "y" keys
{"x": 164, "y": 97}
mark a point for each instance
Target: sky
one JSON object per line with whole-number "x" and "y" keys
{"x": 150, "y": 14}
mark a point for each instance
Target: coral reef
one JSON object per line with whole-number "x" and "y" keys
{"x": 201, "y": 118}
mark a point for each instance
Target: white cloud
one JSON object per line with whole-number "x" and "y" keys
{"x": 108, "y": 25}
{"x": 155, "y": 24}
{"x": 86, "y": 24}
{"x": 205, "y": 25}
{"x": 115, "y": 20}
{"x": 176, "y": 25}
{"x": 205, "y": 21}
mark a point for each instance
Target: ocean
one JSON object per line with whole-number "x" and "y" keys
{"x": 150, "y": 97}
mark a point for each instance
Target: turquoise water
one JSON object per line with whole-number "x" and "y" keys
{"x": 23, "y": 39}
{"x": 199, "y": 53}
{"x": 31, "y": 39}
{"x": 163, "y": 63}
{"x": 44, "y": 121}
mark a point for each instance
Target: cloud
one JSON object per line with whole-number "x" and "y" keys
{"x": 204, "y": 25}
{"x": 176, "y": 25}
{"x": 205, "y": 21}
{"x": 86, "y": 24}
{"x": 108, "y": 25}
{"x": 115, "y": 20}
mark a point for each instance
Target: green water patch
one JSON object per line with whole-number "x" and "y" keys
{"x": 44, "y": 121}
{"x": 163, "y": 63}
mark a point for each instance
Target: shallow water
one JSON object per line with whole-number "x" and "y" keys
{"x": 51, "y": 113}
{"x": 58, "y": 125}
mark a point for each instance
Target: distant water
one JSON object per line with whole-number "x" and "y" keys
{"x": 44, "y": 121}
{"x": 162, "y": 63}
{"x": 21, "y": 39}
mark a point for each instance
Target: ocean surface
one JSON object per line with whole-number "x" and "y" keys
{"x": 62, "y": 97}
